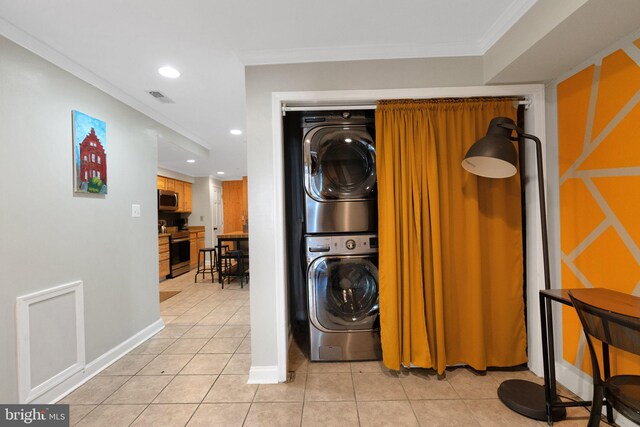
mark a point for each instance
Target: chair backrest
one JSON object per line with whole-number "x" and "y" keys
{"x": 615, "y": 329}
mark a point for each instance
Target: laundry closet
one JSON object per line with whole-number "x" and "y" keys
{"x": 331, "y": 229}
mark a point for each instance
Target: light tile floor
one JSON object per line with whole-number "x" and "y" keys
{"x": 194, "y": 373}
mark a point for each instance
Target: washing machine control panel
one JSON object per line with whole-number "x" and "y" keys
{"x": 341, "y": 245}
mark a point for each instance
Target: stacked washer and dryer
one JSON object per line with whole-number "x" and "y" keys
{"x": 340, "y": 235}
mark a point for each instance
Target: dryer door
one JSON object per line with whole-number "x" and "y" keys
{"x": 340, "y": 163}
{"x": 344, "y": 292}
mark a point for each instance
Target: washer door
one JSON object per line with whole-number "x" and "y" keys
{"x": 344, "y": 292}
{"x": 340, "y": 163}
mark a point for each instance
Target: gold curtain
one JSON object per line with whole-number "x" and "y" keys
{"x": 451, "y": 267}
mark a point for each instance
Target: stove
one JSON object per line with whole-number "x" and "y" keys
{"x": 179, "y": 252}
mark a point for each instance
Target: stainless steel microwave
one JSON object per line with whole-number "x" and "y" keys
{"x": 167, "y": 200}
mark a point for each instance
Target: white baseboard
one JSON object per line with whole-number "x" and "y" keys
{"x": 582, "y": 385}
{"x": 263, "y": 375}
{"x": 96, "y": 366}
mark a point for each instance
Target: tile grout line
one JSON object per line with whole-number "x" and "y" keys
{"x": 254, "y": 395}
{"x": 355, "y": 398}
{"x": 193, "y": 303}
{"x": 138, "y": 416}
{"x": 406, "y": 395}
{"x": 196, "y": 410}
{"x": 83, "y": 417}
{"x": 304, "y": 391}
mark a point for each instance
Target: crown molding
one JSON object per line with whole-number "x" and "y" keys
{"x": 356, "y": 53}
{"x": 62, "y": 61}
{"x": 507, "y": 19}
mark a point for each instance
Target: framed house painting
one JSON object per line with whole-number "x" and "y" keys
{"x": 89, "y": 154}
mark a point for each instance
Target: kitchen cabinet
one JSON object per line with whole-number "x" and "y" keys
{"x": 187, "y": 197}
{"x": 200, "y": 244}
{"x": 184, "y": 190}
{"x": 163, "y": 256}
{"x": 179, "y": 188}
{"x": 196, "y": 242}
{"x": 193, "y": 248}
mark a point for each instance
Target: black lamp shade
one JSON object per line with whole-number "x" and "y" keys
{"x": 494, "y": 155}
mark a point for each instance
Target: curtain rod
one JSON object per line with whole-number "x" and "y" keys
{"x": 524, "y": 101}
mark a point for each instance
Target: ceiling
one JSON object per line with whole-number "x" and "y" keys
{"x": 118, "y": 45}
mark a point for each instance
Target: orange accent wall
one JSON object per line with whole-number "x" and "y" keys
{"x": 579, "y": 214}
{"x": 619, "y": 148}
{"x": 599, "y": 190}
{"x": 572, "y": 112}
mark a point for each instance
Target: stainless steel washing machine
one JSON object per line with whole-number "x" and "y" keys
{"x": 342, "y": 276}
{"x": 339, "y": 160}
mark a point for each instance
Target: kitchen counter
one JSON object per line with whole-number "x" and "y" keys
{"x": 233, "y": 235}
{"x": 196, "y": 228}
{"x": 164, "y": 235}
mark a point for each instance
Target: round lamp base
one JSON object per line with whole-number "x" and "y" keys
{"x": 527, "y": 398}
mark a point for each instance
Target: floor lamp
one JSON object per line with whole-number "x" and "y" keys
{"x": 495, "y": 156}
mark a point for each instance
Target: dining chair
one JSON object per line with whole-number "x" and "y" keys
{"x": 616, "y": 330}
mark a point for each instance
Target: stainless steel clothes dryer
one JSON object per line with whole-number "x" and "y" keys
{"x": 342, "y": 276}
{"x": 339, "y": 160}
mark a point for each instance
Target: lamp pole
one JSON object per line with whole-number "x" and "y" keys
{"x": 525, "y": 397}
{"x": 493, "y": 157}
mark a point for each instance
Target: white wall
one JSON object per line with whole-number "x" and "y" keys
{"x": 542, "y": 18}
{"x": 51, "y": 236}
{"x": 202, "y": 206}
{"x": 554, "y": 35}
{"x": 261, "y": 82}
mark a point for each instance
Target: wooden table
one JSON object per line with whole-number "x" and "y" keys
{"x": 235, "y": 237}
{"x": 613, "y": 301}
{"x": 602, "y": 298}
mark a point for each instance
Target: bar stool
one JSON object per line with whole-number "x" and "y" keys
{"x": 224, "y": 248}
{"x": 231, "y": 272}
{"x": 213, "y": 263}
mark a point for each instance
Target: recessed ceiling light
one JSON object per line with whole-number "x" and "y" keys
{"x": 191, "y": 161}
{"x": 169, "y": 72}
{"x": 220, "y": 173}
{"x": 235, "y": 132}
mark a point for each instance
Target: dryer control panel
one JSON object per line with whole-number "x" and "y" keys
{"x": 341, "y": 245}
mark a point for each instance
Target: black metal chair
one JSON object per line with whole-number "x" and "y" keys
{"x": 620, "y": 331}
{"x": 234, "y": 267}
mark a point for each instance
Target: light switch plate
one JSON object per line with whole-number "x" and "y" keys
{"x": 135, "y": 211}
